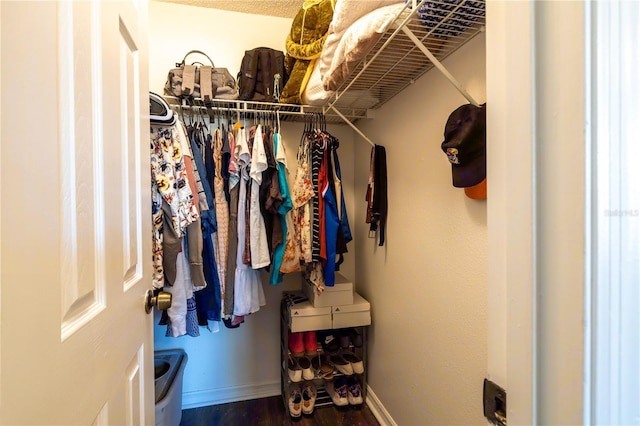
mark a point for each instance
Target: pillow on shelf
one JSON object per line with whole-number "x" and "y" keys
{"x": 356, "y": 42}
{"x": 345, "y": 14}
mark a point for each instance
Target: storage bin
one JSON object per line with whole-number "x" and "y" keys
{"x": 340, "y": 294}
{"x": 356, "y": 314}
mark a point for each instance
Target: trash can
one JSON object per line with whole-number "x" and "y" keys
{"x": 168, "y": 371}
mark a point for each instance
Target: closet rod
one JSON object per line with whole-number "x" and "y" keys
{"x": 439, "y": 65}
{"x": 240, "y": 106}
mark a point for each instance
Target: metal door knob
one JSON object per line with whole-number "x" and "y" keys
{"x": 160, "y": 299}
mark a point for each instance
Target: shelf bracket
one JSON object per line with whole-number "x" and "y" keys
{"x": 347, "y": 121}
{"x": 439, "y": 65}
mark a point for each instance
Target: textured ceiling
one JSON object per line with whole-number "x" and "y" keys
{"x": 281, "y": 8}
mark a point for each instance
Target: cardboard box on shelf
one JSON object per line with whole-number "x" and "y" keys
{"x": 303, "y": 316}
{"x": 340, "y": 294}
{"x": 355, "y": 314}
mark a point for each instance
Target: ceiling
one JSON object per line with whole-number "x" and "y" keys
{"x": 281, "y": 8}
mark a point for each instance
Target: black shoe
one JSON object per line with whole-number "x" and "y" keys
{"x": 345, "y": 338}
{"x": 356, "y": 337}
{"x": 329, "y": 342}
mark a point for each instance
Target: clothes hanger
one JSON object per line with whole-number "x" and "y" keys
{"x": 159, "y": 110}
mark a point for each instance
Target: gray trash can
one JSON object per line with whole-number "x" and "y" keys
{"x": 169, "y": 369}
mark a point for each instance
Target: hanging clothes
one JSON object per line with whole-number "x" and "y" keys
{"x": 208, "y": 300}
{"x": 321, "y": 227}
{"x": 222, "y": 213}
{"x": 248, "y": 292}
{"x": 170, "y": 185}
{"x": 283, "y": 210}
{"x": 258, "y": 237}
{"x": 376, "y": 196}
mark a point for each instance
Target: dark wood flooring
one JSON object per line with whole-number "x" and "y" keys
{"x": 271, "y": 412}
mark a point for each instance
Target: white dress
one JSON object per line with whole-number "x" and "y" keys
{"x": 248, "y": 292}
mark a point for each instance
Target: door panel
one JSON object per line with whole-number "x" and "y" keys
{"x": 77, "y": 346}
{"x": 82, "y": 253}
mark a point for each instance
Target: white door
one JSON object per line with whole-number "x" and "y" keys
{"x": 76, "y": 344}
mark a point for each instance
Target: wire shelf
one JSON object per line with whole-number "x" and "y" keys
{"x": 423, "y": 34}
{"x": 396, "y": 61}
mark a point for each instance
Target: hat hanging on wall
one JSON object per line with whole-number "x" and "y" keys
{"x": 464, "y": 144}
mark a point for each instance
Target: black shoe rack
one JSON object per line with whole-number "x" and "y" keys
{"x": 323, "y": 398}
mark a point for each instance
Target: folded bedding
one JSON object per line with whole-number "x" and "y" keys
{"x": 346, "y": 13}
{"x": 357, "y": 25}
{"x": 354, "y": 43}
{"x": 314, "y": 94}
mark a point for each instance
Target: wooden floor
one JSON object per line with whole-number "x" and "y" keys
{"x": 270, "y": 412}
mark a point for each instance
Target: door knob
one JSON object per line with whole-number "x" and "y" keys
{"x": 159, "y": 299}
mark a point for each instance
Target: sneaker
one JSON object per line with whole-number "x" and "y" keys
{"x": 356, "y": 363}
{"x": 329, "y": 343}
{"x": 294, "y": 370}
{"x": 310, "y": 343}
{"x": 296, "y": 346}
{"x": 305, "y": 365}
{"x": 309, "y": 394}
{"x": 295, "y": 402}
{"x": 344, "y": 338}
{"x": 342, "y": 365}
{"x": 356, "y": 337}
{"x": 322, "y": 368}
{"x": 338, "y": 391}
{"x": 354, "y": 391}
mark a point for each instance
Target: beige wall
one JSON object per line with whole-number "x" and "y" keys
{"x": 428, "y": 284}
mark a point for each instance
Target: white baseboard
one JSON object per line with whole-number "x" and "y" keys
{"x": 378, "y": 410}
{"x": 229, "y": 394}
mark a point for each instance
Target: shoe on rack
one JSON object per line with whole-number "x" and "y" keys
{"x": 329, "y": 342}
{"x": 322, "y": 367}
{"x": 305, "y": 365}
{"x": 356, "y": 337}
{"x": 296, "y": 346}
{"x": 356, "y": 363}
{"x": 294, "y": 370}
{"x": 341, "y": 364}
{"x": 354, "y": 391}
{"x": 295, "y": 401}
{"x": 309, "y": 394}
{"x": 338, "y": 391}
{"x": 344, "y": 336}
{"x": 310, "y": 343}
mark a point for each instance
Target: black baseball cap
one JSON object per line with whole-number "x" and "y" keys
{"x": 465, "y": 136}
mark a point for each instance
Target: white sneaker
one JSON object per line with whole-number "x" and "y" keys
{"x": 294, "y": 370}
{"x": 305, "y": 365}
{"x": 337, "y": 390}
{"x": 356, "y": 363}
{"x": 354, "y": 394}
{"x": 295, "y": 402}
{"x": 341, "y": 364}
{"x": 309, "y": 394}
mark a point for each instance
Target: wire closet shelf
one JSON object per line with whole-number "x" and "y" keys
{"x": 421, "y": 36}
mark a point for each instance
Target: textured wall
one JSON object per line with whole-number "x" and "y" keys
{"x": 428, "y": 284}
{"x": 281, "y": 8}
